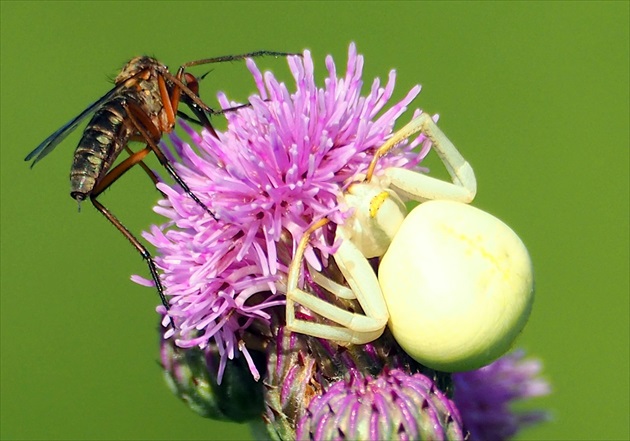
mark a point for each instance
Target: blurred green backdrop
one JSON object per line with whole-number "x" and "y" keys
{"x": 534, "y": 94}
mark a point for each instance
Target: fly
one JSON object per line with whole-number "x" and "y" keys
{"x": 141, "y": 106}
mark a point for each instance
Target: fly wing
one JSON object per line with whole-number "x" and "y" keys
{"x": 53, "y": 140}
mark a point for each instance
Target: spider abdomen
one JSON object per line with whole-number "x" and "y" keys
{"x": 458, "y": 284}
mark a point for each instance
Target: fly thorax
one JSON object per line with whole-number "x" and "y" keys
{"x": 377, "y": 215}
{"x": 149, "y": 98}
{"x": 135, "y": 66}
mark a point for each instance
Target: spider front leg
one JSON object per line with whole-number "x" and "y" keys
{"x": 420, "y": 187}
{"x": 354, "y": 328}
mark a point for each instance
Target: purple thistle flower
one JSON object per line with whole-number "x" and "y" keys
{"x": 317, "y": 390}
{"x": 394, "y": 405}
{"x": 280, "y": 166}
{"x": 484, "y": 396}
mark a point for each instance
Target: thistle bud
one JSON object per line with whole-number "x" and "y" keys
{"x": 191, "y": 374}
{"x": 393, "y": 405}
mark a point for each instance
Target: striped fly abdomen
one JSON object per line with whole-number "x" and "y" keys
{"x": 103, "y": 139}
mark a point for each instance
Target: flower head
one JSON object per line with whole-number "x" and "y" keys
{"x": 280, "y": 166}
{"x": 393, "y": 405}
{"x": 318, "y": 390}
{"x": 191, "y": 374}
{"x": 484, "y": 396}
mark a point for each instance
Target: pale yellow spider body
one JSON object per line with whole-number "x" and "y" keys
{"x": 455, "y": 284}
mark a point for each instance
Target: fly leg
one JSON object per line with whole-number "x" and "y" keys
{"x": 146, "y": 168}
{"x": 203, "y": 120}
{"x": 187, "y": 84}
{"x": 225, "y": 58}
{"x": 103, "y": 184}
{"x": 144, "y": 125}
{"x": 180, "y": 86}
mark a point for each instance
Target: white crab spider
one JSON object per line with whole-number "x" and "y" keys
{"x": 455, "y": 284}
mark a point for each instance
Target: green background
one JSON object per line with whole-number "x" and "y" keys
{"x": 534, "y": 94}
